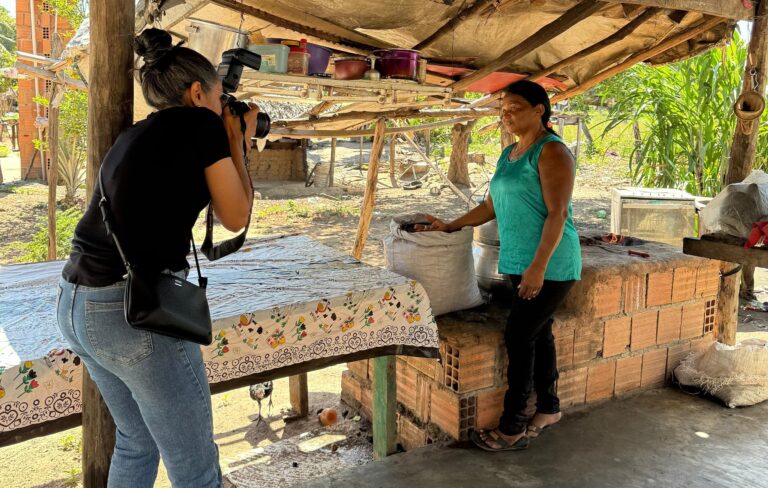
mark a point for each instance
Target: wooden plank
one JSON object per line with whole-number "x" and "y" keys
{"x": 612, "y": 39}
{"x": 299, "y": 393}
{"x": 318, "y": 133}
{"x": 332, "y": 162}
{"x": 392, "y": 143}
{"x": 726, "y": 252}
{"x": 366, "y": 213}
{"x": 570, "y": 18}
{"x": 50, "y": 75}
{"x": 700, "y": 28}
{"x": 450, "y": 26}
{"x": 401, "y": 85}
{"x": 98, "y": 435}
{"x": 744, "y": 146}
{"x": 732, "y": 9}
{"x": 53, "y": 173}
{"x": 15, "y": 436}
{"x": 384, "y": 407}
{"x": 403, "y": 113}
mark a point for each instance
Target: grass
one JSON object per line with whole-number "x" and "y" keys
{"x": 71, "y": 442}
{"x": 293, "y": 209}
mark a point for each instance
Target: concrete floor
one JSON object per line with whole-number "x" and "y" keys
{"x": 662, "y": 438}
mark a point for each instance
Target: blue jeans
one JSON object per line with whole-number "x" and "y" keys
{"x": 155, "y": 387}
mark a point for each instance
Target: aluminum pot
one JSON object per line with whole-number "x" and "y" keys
{"x": 350, "y": 68}
{"x": 486, "y": 259}
{"x": 211, "y": 40}
{"x": 488, "y": 233}
{"x": 398, "y": 63}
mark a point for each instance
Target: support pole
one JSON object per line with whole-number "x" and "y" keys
{"x": 728, "y": 305}
{"x": 299, "y": 393}
{"x": 110, "y": 110}
{"x": 370, "y": 190}
{"x": 744, "y": 146}
{"x": 392, "y": 142}
{"x": 332, "y": 163}
{"x": 458, "y": 170}
{"x": 53, "y": 149}
{"x": 384, "y": 406}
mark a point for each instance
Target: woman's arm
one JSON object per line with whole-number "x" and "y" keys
{"x": 557, "y": 174}
{"x": 477, "y": 216}
{"x": 228, "y": 180}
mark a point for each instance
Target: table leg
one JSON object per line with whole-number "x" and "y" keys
{"x": 384, "y": 406}
{"x": 299, "y": 394}
{"x": 98, "y": 435}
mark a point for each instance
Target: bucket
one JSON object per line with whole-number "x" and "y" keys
{"x": 211, "y": 40}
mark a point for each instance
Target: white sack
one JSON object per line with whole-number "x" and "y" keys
{"x": 737, "y": 207}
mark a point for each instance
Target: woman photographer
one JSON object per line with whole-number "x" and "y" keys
{"x": 159, "y": 175}
{"x": 530, "y": 198}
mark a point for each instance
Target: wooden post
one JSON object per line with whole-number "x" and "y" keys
{"x": 360, "y": 157}
{"x": 333, "y": 162}
{"x": 744, "y": 146}
{"x": 728, "y": 305}
{"x": 578, "y": 137}
{"x": 384, "y": 406}
{"x": 110, "y": 110}
{"x": 392, "y": 142}
{"x": 299, "y": 392}
{"x": 458, "y": 170}
{"x": 53, "y": 174}
{"x": 428, "y": 142}
{"x": 370, "y": 190}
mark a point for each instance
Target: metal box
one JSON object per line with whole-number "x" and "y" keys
{"x": 656, "y": 214}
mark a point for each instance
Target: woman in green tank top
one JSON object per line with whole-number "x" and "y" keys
{"x": 530, "y": 198}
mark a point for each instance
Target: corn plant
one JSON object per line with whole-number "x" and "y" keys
{"x": 71, "y": 164}
{"x": 686, "y": 119}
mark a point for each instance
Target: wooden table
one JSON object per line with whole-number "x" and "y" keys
{"x": 280, "y": 307}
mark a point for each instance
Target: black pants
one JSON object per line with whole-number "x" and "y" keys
{"x": 532, "y": 357}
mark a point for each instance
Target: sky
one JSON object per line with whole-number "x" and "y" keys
{"x": 9, "y": 5}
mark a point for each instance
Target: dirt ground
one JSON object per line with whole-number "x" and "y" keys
{"x": 329, "y": 215}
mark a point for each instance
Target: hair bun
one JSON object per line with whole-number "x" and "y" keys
{"x": 152, "y": 44}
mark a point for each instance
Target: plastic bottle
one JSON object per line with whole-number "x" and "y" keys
{"x": 298, "y": 59}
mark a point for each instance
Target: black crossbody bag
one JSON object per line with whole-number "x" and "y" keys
{"x": 160, "y": 302}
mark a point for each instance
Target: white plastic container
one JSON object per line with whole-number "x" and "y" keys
{"x": 274, "y": 57}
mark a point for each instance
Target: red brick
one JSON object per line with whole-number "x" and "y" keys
{"x": 351, "y": 389}
{"x": 428, "y": 367}
{"x": 366, "y": 400}
{"x": 684, "y": 284}
{"x": 588, "y": 342}
{"x": 634, "y": 293}
{"x": 643, "y": 330}
{"x": 607, "y": 297}
{"x": 469, "y": 368}
{"x": 675, "y": 356}
{"x": 572, "y": 387}
{"x": 564, "y": 337}
{"x": 708, "y": 280}
{"x": 616, "y": 338}
{"x": 628, "y": 374}
{"x": 669, "y": 325}
{"x": 654, "y": 368}
{"x": 444, "y": 411}
{"x": 600, "y": 381}
{"x": 692, "y": 320}
{"x": 409, "y": 434}
{"x": 406, "y": 386}
{"x": 490, "y": 405}
{"x": 659, "y": 288}
{"x": 359, "y": 368}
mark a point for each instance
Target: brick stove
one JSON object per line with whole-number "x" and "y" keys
{"x": 623, "y": 328}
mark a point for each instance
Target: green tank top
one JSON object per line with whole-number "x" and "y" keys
{"x": 520, "y": 215}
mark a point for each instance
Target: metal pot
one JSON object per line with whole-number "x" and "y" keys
{"x": 486, "y": 259}
{"x": 211, "y": 40}
{"x": 350, "y": 68}
{"x": 488, "y": 233}
{"x": 398, "y": 63}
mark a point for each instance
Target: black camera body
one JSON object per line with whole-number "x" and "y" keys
{"x": 230, "y": 70}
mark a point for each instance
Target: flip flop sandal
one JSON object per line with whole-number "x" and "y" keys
{"x": 533, "y": 431}
{"x": 521, "y": 444}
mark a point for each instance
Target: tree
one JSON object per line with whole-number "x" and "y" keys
{"x": 7, "y": 47}
{"x": 75, "y": 11}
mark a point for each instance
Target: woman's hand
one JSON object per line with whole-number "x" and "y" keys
{"x": 531, "y": 283}
{"x": 234, "y": 129}
{"x": 435, "y": 224}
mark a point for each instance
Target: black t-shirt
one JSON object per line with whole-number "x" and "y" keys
{"x": 154, "y": 178}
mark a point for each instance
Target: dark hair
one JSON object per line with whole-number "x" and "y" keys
{"x": 168, "y": 70}
{"x": 534, "y": 94}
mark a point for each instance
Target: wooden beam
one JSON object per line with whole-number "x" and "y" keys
{"x": 392, "y": 143}
{"x": 728, "y": 305}
{"x": 732, "y": 9}
{"x": 612, "y": 39}
{"x": 318, "y": 109}
{"x": 384, "y": 407}
{"x": 110, "y": 111}
{"x": 332, "y": 163}
{"x": 50, "y": 75}
{"x": 317, "y": 133}
{"x": 53, "y": 172}
{"x": 299, "y": 393}
{"x": 744, "y": 146}
{"x": 570, "y": 18}
{"x": 170, "y": 17}
{"x": 366, "y": 211}
{"x": 705, "y": 25}
{"x": 306, "y": 23}
{"x": 392, "y": 114}
{"x": 450, "y": 26}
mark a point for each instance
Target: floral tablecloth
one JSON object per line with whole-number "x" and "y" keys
{"x": 275, "y": 303}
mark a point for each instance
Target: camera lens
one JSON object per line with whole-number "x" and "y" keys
{"x": 263, "y": 124}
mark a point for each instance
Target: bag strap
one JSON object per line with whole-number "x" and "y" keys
{"x": 105, "y": 216}
{"x": 217, "y": 251}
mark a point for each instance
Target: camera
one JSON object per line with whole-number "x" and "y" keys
{"x": 230, "y": 70}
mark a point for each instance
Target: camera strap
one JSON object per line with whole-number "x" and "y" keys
{"x": 217, "y": 251}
